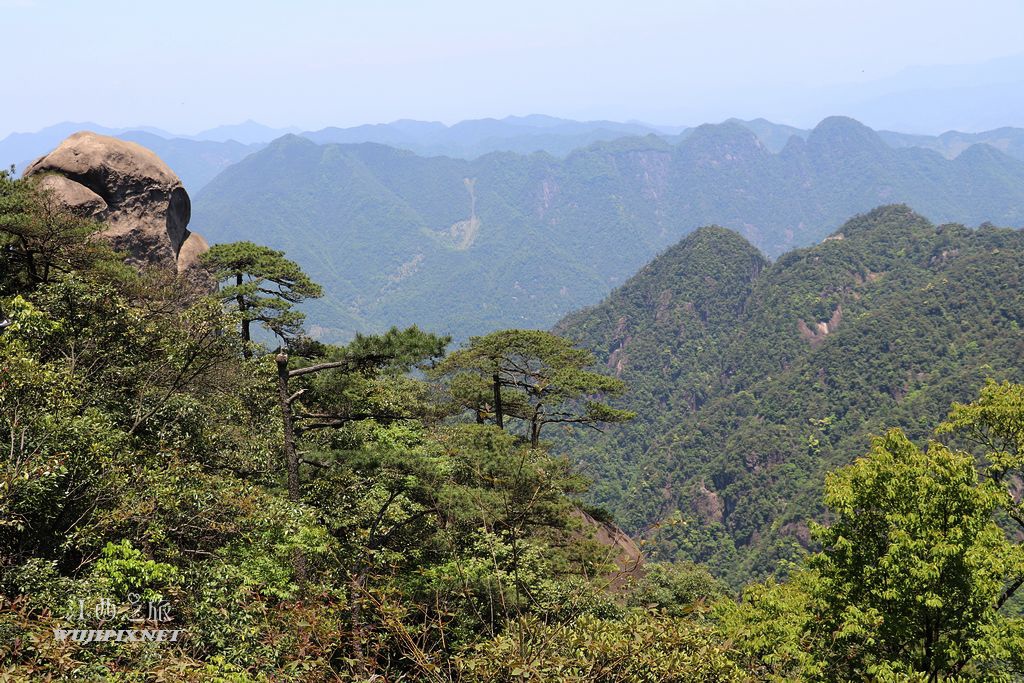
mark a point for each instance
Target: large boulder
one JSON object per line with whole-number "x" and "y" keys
{"x": 130, "y": 190}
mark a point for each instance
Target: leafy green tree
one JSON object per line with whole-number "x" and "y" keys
{"x": 534, "y": 376}
{"x": 913, "y": 569}
{"x": 343, "y": 385}
{"x": 262, "y": 285}
{"x": 679, "y": 588}
{"x": 995, "y": 422}
{"x": 769, "y": 628}
{"x": 337, "y": 391}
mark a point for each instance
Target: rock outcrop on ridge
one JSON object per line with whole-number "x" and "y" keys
{"x": 128, "y": 188}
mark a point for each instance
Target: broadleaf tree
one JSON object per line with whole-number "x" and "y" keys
{"x": 914, "y": 568}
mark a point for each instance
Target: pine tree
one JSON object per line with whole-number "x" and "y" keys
{"x": 262, "y": 285}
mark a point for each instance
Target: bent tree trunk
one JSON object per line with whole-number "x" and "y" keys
{"x": 499, "y": 415}
{"x": 246, "y": 335}
{"x": 536, "y": 424}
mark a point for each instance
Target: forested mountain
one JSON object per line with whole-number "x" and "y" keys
{"x": 198, "y": 158}
{"x": 1008, "y": 139}
{"x": 463, "y": 247}
{"x": 180, "y": 502}
{"x": 752, "y": 380}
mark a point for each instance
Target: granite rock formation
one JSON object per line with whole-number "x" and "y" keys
{"x": 131, "y": 191}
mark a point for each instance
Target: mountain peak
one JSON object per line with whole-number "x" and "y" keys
{"x": 705, "y": 276}
{"x": 715, "y": 237}
{"x": 731, "y": 129}
{"x": 722, "y": 142}
{"x": 290, "y": 140}
{"x": 887, "y": 229}
{"x": 845, "y": 133}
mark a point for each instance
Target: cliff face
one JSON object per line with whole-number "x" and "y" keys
{"x": 129, "y": 189}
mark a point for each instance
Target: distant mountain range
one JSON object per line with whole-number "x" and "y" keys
{"x": 466, "y": 246}
{"x": 753, "y": 379}
{"x": 471, "y": 139}
{"x": 195, "y": 159}
{"x": 198, "y": 158}
{"x": 248, "y": 133}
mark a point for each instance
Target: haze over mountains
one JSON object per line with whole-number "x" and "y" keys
{"x": 198, "y": 158}
{"x": 979, "y": 96}
{"x": 467, "y": 246}
{"x": 922, "y": 99}
{"x": 553, "y": 211}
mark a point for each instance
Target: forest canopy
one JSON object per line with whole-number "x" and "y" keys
{"x": 361, "y": 512}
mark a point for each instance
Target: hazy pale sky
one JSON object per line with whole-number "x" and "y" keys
{"x": 189, "y": 65}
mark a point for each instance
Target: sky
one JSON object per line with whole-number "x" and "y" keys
{"x": 186, "y": 66}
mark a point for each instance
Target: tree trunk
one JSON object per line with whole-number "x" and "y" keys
{"x": 499, "y": 416}
{"x": 536, "y": 423}
{"x": 291, "y": 455}
{"x": 355, "y": 615}
{"x": 246, "y": 336}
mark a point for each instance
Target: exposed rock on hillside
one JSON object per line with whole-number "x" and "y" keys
{"x": 622, "y": 550}
{"x": 528, "y": 238}
{"x": 129, "y": 189}
{"x": 753, "y": 380}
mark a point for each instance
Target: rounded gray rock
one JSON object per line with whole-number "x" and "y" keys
{"x": 129, "y": 189}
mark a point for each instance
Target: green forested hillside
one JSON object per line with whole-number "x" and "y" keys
{"x": 179, "y": 503}
{"x": 752, "y": 381}
{"x": 504, "y": 240}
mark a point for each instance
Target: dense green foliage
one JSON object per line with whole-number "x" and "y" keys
{"x": 334, "y": 513}
{"x": 753, "y": 381}
{"x": 467, "y": 247}
{"x": 145, "y": 462}
{"x": 913, "y": 566}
